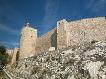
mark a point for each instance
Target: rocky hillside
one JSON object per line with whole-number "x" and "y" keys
{"x": 86, "y": 61}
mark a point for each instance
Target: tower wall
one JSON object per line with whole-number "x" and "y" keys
{"x": 62, "y": 34}
{"x": 27, "y": 42}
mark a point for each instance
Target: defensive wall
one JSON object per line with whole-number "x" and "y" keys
{"x": 86, "y": 30}
{"x": 64, "y": 35}
{"x": 73, "y": 33}
{"x": 46, "y": 41}
{"x": 14, "y": 54}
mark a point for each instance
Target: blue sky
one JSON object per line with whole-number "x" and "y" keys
{"x": 42, "y": 15}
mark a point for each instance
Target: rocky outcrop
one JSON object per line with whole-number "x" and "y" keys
{"x": 86, "y": 61}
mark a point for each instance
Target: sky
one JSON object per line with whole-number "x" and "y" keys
{"x": 42, "y": 15}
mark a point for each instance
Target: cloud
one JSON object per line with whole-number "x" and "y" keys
{"x": 96, "y": 5}
{"x": 9, "y": 16}
{"x": 9, "y": 30}
{"x": 14, "y": 44}
{"x": 51, "y": 12}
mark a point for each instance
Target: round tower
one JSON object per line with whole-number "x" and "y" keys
{"x": 28, "y": 38}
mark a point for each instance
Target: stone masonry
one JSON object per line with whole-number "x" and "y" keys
{"x": 15, "y": 55}
{"x": 27, "y": 41}
{"x": 64, "y": 35}
{"x": 86, "y": 30}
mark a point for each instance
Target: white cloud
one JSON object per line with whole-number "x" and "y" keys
{"x": 14, "y": 44}
{"x": 7, "y": 29}
{"x": 9, "y": 14}
{"x": 51, "y": 10}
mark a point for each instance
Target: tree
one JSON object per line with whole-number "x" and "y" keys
{"x": 3, "y": 56}
{"x": 2, "y": 49}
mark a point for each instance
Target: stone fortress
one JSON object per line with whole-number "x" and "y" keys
{"x": 64, "y": 35}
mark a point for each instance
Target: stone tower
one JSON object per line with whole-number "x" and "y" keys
{"x": 62, "y": 34}
{"x": 28, "y": 38}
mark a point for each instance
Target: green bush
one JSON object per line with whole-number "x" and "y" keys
{"x": 3, "y": 55}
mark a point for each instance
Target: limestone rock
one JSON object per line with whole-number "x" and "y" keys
{"x": 86, "y": 61}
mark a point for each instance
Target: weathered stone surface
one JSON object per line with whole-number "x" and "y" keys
{"x": 51, "y": 48}
{"x": 28, "y": 38}
{"x": 15, "y": 54}
{"x": 64, "y": 35}
{"x": 46, "y": 41}
{"x": 84, "y": 61}
{"x": 80, "y": 51}
{"x": 86, "y": 30}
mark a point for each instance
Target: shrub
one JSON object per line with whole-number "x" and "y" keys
{"x": 4, "y": 57}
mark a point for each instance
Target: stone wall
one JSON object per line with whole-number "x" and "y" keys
{"x": 86, "y": 30}
{"x": 15, "y": 55}
{"x": 62, "y": 34}
{"x": 46, "y": 41}
{"x": 27, "y": 42}
{"x": 10, "y": 52}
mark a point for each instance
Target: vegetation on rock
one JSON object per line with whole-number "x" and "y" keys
{"x": 86, "y": 61}
{"x": 3, "y": 56}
